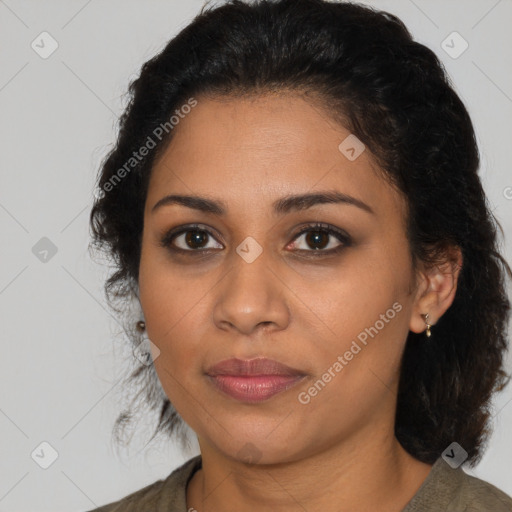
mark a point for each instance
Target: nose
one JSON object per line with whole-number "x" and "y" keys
{"x": 251, "y": 297}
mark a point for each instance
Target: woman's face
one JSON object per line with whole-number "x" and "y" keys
{"x": 247, "y": 284}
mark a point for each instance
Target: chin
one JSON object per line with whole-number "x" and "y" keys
{"x": 258, "y": 447}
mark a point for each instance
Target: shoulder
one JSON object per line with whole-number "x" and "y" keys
{"x": 453, "y": 490}
{"x": 481, "y": 496}
{"x": 162, "y": 495}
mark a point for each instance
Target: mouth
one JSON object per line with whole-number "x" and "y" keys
{"x": 253, "y": 380}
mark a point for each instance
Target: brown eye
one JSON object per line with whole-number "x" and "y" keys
{"x": 196, "y": 239}
{"x": 189, "y": 239}
{"x": 317, "y": 239}
{"x": 321, "y": 239}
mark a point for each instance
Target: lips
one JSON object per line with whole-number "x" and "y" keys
{"x": 253, "y": 380}
{"x": 247, "y": 367}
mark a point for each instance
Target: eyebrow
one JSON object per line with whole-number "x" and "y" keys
{"x": 280, "y": 206}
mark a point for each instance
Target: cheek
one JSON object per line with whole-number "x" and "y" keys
{"x": 174, "y": 319}
{"x": 363, "y": 328}
{"x": 166, "y": 297}
{"x": 175, "y": 306}
{"x": 172, "y": 310}
{"x": 358, "y": 361}
{"x": 363, "y": 287}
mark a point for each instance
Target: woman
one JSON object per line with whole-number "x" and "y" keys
{"x": 293, "y": 200}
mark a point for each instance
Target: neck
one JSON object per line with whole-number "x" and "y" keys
{"x": 375, "y": 473}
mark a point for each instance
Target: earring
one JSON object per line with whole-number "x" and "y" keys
{"x": 425, "y": 317}
{"x": 141, "y": 325}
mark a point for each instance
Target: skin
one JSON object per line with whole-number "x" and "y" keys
{"x": 338, "y": 452}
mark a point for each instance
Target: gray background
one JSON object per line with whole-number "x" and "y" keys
{"x": 62, "y": 354}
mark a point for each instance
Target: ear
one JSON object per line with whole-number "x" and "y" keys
{"x": 436, "y": 290}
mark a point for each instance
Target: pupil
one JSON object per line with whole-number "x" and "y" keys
{"x": 314, "y": 237}
{"x": 196, "y": 237}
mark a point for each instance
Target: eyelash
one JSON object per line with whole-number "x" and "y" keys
{"x": 168, "y": 238}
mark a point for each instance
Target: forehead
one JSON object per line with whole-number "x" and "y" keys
{"x": 259, "y": 148}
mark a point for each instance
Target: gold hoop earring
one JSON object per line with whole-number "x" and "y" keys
{"x": 425, "y": 317}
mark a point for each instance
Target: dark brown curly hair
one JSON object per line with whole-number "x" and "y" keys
{"x": 395, "y": 96}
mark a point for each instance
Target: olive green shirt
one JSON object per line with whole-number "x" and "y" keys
{"x": 444, "y": 490}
